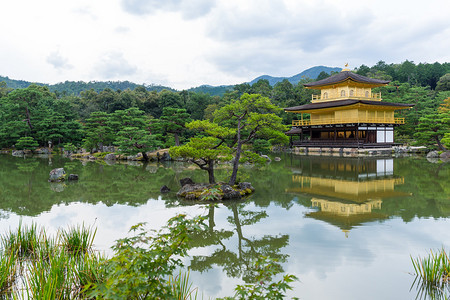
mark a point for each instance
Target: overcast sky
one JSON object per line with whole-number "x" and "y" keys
{"x": 187, "y": 43}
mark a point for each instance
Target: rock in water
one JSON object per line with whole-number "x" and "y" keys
{"x": 245, "y": 186}
{"x": 164, "y": 189}
{"x": 277, "y": 158}
{"x": 165, "y": 156}
{"x": 266, "y": 157}
{"x": 433, "y": 154}
{"x": 42, "y": 151}
{"x": 445, "y": 156}
{"x": 57, "y": 175}
{"x": 110, "y": 156}
{"x": 229, "y": 192}
{"x": 18, "y": 153}
{"x": 190, "y": 191}
{"x": 72, "y": 177}
{"x": 187, "y": 180}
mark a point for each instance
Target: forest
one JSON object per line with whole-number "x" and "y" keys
{"x": 35, "y": 116}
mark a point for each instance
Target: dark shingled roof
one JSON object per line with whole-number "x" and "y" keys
{"x": 293, "y": 131}
{"x": 346, "y": 102}
{"x": 344, "y": 75}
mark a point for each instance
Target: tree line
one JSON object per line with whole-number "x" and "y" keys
{"x": 118, "y": 117}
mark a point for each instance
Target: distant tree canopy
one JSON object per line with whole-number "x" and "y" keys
{"x": 172, "y": 121}
{"x": 422, "y": 74}
{"x": 444, "y": 83}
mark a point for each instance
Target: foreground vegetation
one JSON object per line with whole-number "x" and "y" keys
{"x": 36, "y": 266}
{"x": 433, "y": 275}
{"x": 143, "y": 266}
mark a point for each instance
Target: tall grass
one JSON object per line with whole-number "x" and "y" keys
{"x": 182, "y": 288}
{"x": 23, "y": 241}
{"x": 432, "y": 275}
{"x": 50, "y": 277}
{"x": 78, "y": 239}
{"x": 35, "y": 266}
{"x": 7, "y": 272}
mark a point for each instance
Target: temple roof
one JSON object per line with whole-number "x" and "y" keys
{"x": 293, "y": 131}
{"x": 345, "y": 102}
{"x": 343, "y": 76}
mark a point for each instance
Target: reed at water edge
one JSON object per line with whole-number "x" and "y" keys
{"x": 433, "y": 275}
{"x": 36, "y": 266}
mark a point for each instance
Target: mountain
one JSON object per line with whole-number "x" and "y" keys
{"x": 17, "y": 84}
{"x": 76, "y": 87}
{"x": 310, "y": 73}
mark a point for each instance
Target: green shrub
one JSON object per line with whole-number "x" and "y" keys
{"x": 101, "y": 154}
{"x": 261, "y": 146}
{"x": 26, "y": 143}
{"x": 142, "y": 264}
{"x": 70, "y": 147}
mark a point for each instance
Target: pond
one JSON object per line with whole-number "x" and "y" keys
{"x": 346, "y": 227}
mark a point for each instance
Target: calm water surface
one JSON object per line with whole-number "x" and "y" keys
{"x": 346, "y": 227}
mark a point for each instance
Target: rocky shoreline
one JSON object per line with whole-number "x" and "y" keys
{"x": 163, "y": 154}
{"x": 396, "y": 151}
{"x": 360, "y": 152}
{"x": 159, "y": 155}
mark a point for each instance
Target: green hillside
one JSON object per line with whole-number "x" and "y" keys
{"x": 76, "y": 87}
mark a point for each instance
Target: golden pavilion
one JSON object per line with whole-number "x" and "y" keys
{"x": 346, "y": 114}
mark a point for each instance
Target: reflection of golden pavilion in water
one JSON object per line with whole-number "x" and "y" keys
{"x": 348, "y": 191}
{"x": 344, "y": 209}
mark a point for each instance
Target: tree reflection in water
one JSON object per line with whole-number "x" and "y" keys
{"x": 238, "y": 260}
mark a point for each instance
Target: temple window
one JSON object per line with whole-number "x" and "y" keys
{"x": 325, "y": 95}
{"x": 343, "y": 93}
{"x": 367, "y": 94}
{"x": 351, "y": 93}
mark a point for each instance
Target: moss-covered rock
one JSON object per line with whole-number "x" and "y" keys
{"x": 215, "y": 192}
{"x": 57, "y": 175}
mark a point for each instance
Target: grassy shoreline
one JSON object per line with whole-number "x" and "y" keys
{"x": 145, "y": 265}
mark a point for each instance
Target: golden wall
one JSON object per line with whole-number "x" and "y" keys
{"x": 354, "y": 115}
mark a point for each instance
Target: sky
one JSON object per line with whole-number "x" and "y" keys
{"x": 187, "y": 43}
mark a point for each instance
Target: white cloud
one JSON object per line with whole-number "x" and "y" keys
{"x": 113, "y": 65}
{"x": 190, "y": 9}
{"x": 122, "y": 29}
{"x": 58, "y": 61}
{"x": 85, "y": 11}
{"x": 185, "y": 43}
